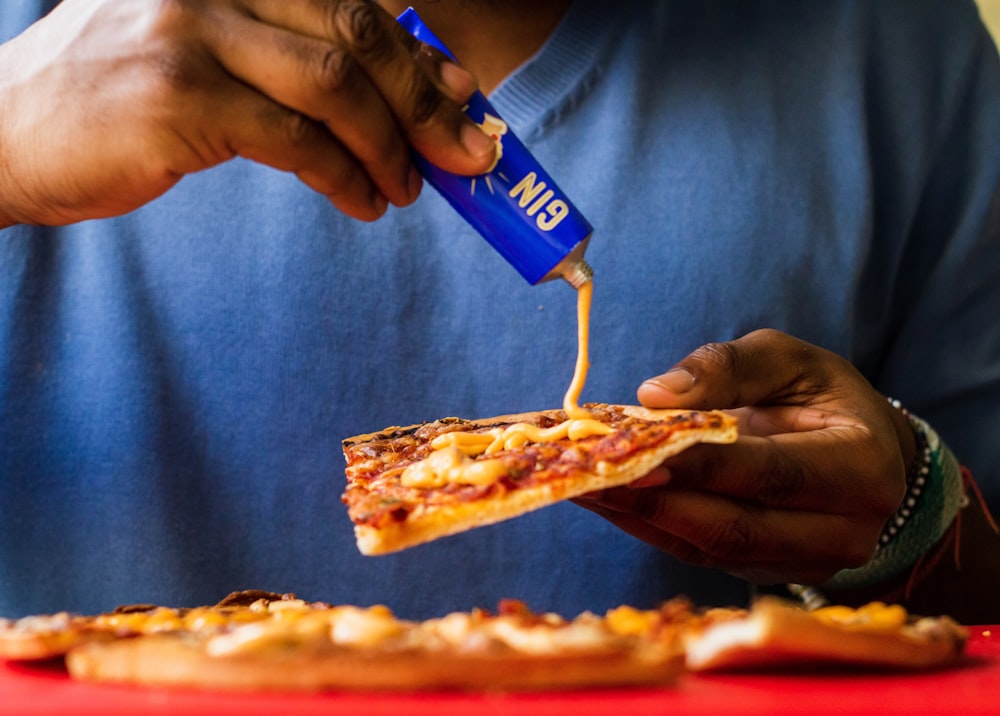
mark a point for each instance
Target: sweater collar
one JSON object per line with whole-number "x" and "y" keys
{"x": 562, "y": 69}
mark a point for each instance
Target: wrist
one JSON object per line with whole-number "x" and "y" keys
{"x": 933, "y": 497}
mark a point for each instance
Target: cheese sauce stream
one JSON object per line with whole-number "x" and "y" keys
{"x": 452, "y": 460}
{"x": 571, "y": 402}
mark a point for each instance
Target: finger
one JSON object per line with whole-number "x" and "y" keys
{"x": 643, "y": 530}
{"x": 657, "y": 477}
{"x": 250, "y": 125}
{"x": 323, "y": 20}
{"x": 425, "y": 104}
{"x": 682, "y": 550}
{"x": 323, "y": 82}
{"x": 765, "y": 365}
{"x": 435, "y": 125}
{"x": 832, "y": 471}
{"x": 715, "y": 532}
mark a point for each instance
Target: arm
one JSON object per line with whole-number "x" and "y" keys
{"x": 106, "y": 105}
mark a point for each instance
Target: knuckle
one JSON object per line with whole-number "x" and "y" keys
{"x": 784, "y": 482}
{"x": 719, "y": 355}
{"x": 367, "y": 41}
{"x": 175, "y": 73}
{"x": 730, "y": 540}
{"x": 169, "y": 42}
{"x": 687, "y": 553}
{"x": 768, "y": 335}
{"x": 292, "y": 130}
{"x": 425, "y": 102}
{"x": 647, "y": 506}
{"x": 359, "y": 24}
{"x": 299, "y": 131}
{"x": 335, "y": 71}
{"x": 719, "y": 360}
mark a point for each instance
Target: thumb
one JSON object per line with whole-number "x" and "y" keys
{"x": 749, "y": 370}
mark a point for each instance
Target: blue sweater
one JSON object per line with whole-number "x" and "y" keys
{"x": 175, "y": 383}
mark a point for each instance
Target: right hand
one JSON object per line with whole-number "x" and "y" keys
{"x": 106, "y": 104}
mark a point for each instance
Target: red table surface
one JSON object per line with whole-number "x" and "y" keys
{"x": 971, "y": 688}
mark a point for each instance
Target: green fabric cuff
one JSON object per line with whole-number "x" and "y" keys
{"x": 934, "y": 496}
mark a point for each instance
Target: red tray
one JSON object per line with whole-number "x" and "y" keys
{"x": 967, "y": 689}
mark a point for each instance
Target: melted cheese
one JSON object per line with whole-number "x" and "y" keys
{"x": 451, "y": 461}
{"x": 874, "y": 615}
{"x": 629, "y": 621}
{"x": 354, "y": 626}
{"x": 546, "y": 638}
{"x": 198, "y": 619}
{"x": 451, "y": 465}
{"x": 516, "y": 435}
{"x": 343, "y": 625}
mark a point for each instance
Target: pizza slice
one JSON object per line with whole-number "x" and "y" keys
{"x": 410, "y": 485}
{"x": 777, "y": 635}
{"x": 48, "y": 636}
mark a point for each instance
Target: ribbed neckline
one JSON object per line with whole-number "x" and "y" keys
{"x": 561, "y": 69}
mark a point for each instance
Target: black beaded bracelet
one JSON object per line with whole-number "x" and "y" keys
{"x": 916, "y": 478}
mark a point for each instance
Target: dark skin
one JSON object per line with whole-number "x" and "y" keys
{"x": 337, "y": 93}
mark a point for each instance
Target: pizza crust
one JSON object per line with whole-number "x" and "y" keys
{"x": 36, "y": 647}
{"x": 775, "y": 635}
{"x": 167, "y": 660}
{"x": 49, "y": 636}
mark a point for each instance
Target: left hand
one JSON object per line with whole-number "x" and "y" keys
{"x": 818, "y": 469}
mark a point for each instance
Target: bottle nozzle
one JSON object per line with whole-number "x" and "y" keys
{"x": 578, "y": 273}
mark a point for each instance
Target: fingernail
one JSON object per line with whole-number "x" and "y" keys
{"x": 676, "y": 380}
{"x": 477, "y": 143}
{"x": 458, "y": 80}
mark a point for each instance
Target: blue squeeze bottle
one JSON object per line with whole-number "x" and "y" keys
{"x": 515, "y": 206}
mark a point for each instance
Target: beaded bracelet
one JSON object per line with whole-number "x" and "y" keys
{"x": 916, "y": 478}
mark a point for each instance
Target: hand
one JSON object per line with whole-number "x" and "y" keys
{"x": 818, "y": 469}
{"x": 106, "y": 104}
